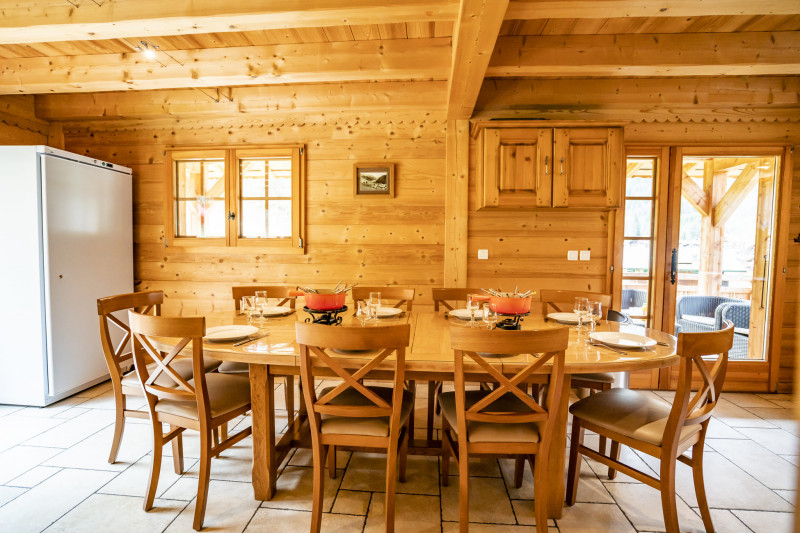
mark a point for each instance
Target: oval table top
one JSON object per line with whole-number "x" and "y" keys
{"x": 429, "y": 349}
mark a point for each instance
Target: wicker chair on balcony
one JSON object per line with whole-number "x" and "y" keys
{"x": 737, "y": 312}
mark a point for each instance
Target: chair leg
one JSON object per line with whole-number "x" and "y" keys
{"x": 431, "y": 409}
{"x": 177, "y": 452}
{"x": 668, "y": 503}
{"x": 223, "y": 431}
{"x": 331, "y": 461}
{"x": 403, "y": 456}
{"x": 412, "y": 388}
{"x": 119, "y": 427}
{"x": 215, "y": 436}
{"x": 463, "y": 486}
{"x": 574, "y": 470}
{"x": 318, "y": 453}
{"x": 519, "y": 470}
{"x": 437, "y": 391}
{"x": 391, "y": 482}
{"x": 601, "y": 445}
{"x": 202, "y": 482}
{"x": 699, "y": 485}
{"x": 288, "y": 385}
{"x": 614, "y": 455}
{"x": 446, "y": 452}
{"x": 155, "y": 466}
{"x": 540, "y": 487}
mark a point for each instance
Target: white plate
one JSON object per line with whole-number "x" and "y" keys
{"x": 622, "y": 340}
{"x": 387, "y": 312}
{"x": 229, "y": 333}
{"x": 464, "y": 314}
{"x": 276, "y": 311}
{"x": 564, "y": 318}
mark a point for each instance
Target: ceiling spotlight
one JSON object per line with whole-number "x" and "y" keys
{"x": 149, "y": 50}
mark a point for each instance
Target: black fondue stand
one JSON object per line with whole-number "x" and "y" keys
{"x": 513, "y": 322}
{"x": 329, "y": 317}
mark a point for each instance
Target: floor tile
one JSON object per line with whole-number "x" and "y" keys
{"x": 19, "y": 459}
{"x": 642, "y": 505}
{"x": 593, "y": 518}
{"x": 367, "y": 471}
{"x": 8, "y": 409}
{"x": 352, "y": 502}
{"x": 739, "y": 417}
{"x": 794, "y": 459}
{"x": 300, "y": 522}
{"x": 73, "y": 431}
{"x": 34, "y": 476}
{"x": 17, "y": 429}
{"x": 788, "y": 495}
{"x": 782, "y": 418}
{"x": 9, "y": 493}
{"x": 133, "y": 481}
{"x": 420, "y": 514}
{"x": 230, "y": 507}
{"x": 452, "y": 527}
{"x": 768, "y": 468}
{"x": 99, "y": 510}
{"x": 762, "y": 522}
{"x": 488, "y": 501}
{"x": 304, "y": 457}
{"x": 295, "y": 488}
{"x": 743, "y": 399}
{"x": 525, "y": 513}
{"x": 62, "y": 492}
{"x": 727, "y": 522}
{"x": 52, "y": 409}
{"x": 775, "y": 440}
{"x": 92, "y": 452}
{"x": 480, "y": 467}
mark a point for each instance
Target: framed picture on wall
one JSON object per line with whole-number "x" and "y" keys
{"x": 373, "y": 179}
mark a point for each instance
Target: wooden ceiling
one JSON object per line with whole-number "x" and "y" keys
{"x": 60, "y": 46}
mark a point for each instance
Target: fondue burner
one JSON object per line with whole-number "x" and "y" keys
{"x": 329, "y": 317}
{"x": 511, "y": 323}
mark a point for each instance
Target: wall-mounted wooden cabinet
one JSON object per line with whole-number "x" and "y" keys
{"x": 550, "y": 167}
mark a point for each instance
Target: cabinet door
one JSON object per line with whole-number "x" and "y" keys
{"x": 587, "y": 167}
{"x": 517, "y": 167}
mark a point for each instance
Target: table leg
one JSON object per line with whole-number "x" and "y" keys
{"x": 557, "y": 458}
{"x": 262, "y": 398}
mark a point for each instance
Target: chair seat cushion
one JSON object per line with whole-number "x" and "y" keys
{"x": 488, "y": 431}
{"x": 182, "y": 366}
{"x": 631, "y": 413}
{"x": 372, "y": 426}
{"x": 226, "y": 392}
{"x": 233, "y": 367}
{"x": 600, "y": 377}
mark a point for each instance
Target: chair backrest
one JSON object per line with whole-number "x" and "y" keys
{"x": 119, "y": 354}
{"x": 562, "y": 301}
{"x": 316, "y": 341}
{"x": 443, "y": 296}
{"x": 188, "y": 329}
{"x": 692, "y": 348}
{"x": 470, "y": 343}
{"x": 616, "y": 316}
{"x": 400, "y": 295}
{"x": 273, "y": 291}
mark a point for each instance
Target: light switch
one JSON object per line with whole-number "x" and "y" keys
{"x": 585, "y": 255}
{"x": 572, "y": 255}
{"x": 483, "y": 254}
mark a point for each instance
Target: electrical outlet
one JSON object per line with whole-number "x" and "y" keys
{"x": 585, "y": 255}
{"x": 483, "y": 254}
{"x": 572, "y": 255}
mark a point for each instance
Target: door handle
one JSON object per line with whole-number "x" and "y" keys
{"x": 764, "y": 282}
{"x": 562, "y": 166}
{"x": 546, "y": 172}
{"x": 231, "y": 215}
{"x": 673, "y": 271}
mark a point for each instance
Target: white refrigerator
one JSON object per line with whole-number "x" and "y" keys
{"x": 66, "y": 239}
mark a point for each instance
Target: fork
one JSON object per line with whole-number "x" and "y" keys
{"x": 595, "y": 343}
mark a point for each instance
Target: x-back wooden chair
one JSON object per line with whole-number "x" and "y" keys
{"x": 652, "y": 426}
{"x": 203, "y": 403}
{"x": 351, "y": 413}
{"x": 447, "y": 295}
{"x": 505, "y": 420}
{"x": 118, "y": 356}
{"x": 399, "y": 295}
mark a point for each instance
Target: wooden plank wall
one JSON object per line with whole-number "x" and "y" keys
{"x": 18, "y": 123}
{"x": 372, "y": 241}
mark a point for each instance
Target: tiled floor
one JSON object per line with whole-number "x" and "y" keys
{"x": 54, "y": 477}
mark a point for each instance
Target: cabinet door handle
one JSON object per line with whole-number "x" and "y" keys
{"x": 546, "y": 172}
{"x": 562, "y": 166}
{"x": 673, "y": 271}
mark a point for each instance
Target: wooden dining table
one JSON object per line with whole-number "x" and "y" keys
{"x": 428, "y": 357}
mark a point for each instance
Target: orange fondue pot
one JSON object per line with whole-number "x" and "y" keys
{"x": 507, "y": 305}
{"x": 324, "y": 301}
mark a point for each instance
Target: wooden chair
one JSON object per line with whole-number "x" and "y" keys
{"x": 399, "y": 295}
{"x": 200, "y": 404}
{"x": 273, "y": 291}
{"x": 652, "y": 426}
{"x": 118, "y": 355}
{"x": 444, "y": 296}
{"x": 505, "y": 420}
{"x": 352, "y": 414}
{"x": 562, "y": 302}
{"x": 233, "y": 367}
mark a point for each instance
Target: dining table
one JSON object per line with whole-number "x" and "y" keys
{"x": 274, "y": 353}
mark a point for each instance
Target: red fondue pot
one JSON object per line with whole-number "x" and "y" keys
{"x": 324, "y": 301}
{"x": 506, "y": 305}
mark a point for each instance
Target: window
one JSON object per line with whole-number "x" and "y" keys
{"x": 237, "y": 197}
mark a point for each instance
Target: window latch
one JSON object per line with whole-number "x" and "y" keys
{"x": 231, "y": 215}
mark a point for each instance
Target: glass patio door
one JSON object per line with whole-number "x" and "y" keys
{"x": 721, "y": 246}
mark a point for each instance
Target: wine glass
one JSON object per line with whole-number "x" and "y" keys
{"x": 472, "y": 305}
{"x": 581, "y": 308}
{"x": 489, "y": 316}
{"x": 595, "y": 313}
{"x": 260, "y": 306}
{"x": 374, "y": 303}
{"x": 363, "y": 312}
{"x": 246, "y": 306}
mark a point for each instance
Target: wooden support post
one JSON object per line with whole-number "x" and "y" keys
{"x": 759, "y": 300}
{"x": 456, "y": 204}
{"x": 710, "y": 277}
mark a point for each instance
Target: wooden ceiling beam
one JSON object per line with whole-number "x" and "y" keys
{"x": 688, "y": 54}
{"x": 735, "y": 195}
{"x": 602, "y": 9}
{"x": 32, "y": 21}
{"x": 474, "y": 38}
{"x": 400, "y": 59}
{"x": 274, "y": 100}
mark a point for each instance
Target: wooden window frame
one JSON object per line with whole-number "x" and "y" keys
{"x": 232, "y": 155}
